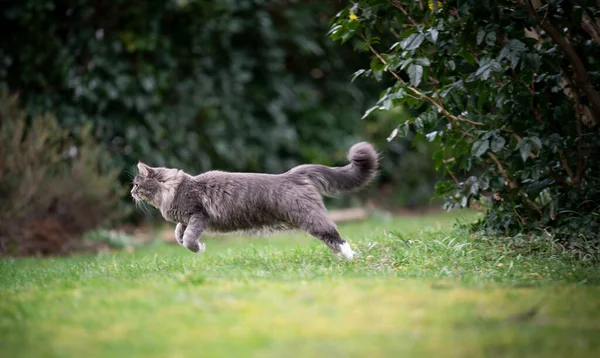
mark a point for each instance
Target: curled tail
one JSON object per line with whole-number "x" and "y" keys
{"x": 362, "y": 169}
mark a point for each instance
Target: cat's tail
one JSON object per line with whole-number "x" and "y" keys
{"x": 363, "y": 166}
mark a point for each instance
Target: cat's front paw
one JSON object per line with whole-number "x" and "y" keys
{"x": 179, "y": 230}
{"x": 195, "y": 246}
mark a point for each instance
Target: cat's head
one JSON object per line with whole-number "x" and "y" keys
{"x": 153, "y": 185}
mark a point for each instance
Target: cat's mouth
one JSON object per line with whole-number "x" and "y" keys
{"x": 141, "y": 198}
{"x": 138, "y": 197}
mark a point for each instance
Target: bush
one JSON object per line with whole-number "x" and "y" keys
{"x": 197, "y": 85}
{"x": 509, "y": 92}
{"x": 53, "y": 188}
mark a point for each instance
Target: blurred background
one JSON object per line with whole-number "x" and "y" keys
{"x": 89, "y": 87}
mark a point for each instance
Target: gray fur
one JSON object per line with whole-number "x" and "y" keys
{"x": 223, "y": 202}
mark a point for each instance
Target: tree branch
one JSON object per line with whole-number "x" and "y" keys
{"x": 512, "y": 184}
{"x": 399, "y": 6}
{"x": 420, "y": 94}
{"x": 582, "y": 78}
{"x": 446, "y": 161}
{"x": 566, "y": 166}
{"x": 581, "y": 158}
{"x": 588, "y": 25}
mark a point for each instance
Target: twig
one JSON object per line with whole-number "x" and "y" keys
{"x": 590, "y": 28}
{"x": 536, "y": 113}
{"x": 401, "y": 8}
{"x": 474, "y": 57}
{"x": 565, "y": 164}
{"x": 512, "y": 184}
{"x": 581, "y": 158}
{"x": 444, "y": 111}
{"x": 546, "y": 14}
{"x": 379, "y": 57}
{"x": 420, "y": 94}
{"x": 521, "y": 219}
{"x": 450, "y": 171}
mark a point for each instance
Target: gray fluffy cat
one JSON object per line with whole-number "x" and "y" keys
{"x": 223, "y": 202}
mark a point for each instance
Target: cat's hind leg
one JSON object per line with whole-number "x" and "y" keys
{"x": 319, "y": 225}
{"x": 335, "y": 242}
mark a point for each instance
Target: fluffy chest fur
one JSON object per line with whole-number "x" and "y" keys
{"x": 184, "y": 202}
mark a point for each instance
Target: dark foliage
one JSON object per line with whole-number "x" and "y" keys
{"x": 236, "y": 85}
{"x": 511, "y": 92}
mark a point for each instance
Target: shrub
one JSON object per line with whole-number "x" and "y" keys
{"x": 511, "y": 94}
{"x": 52, "y": 188}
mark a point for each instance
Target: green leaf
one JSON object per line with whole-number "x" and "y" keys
{"x": 419, "y": 126}
{"x": 404, "y": 129}
{"x": 369, "y": 111}
{"x": 474, "y": 188}
{"x": 377, "y": 68}
{"x": 413, "y": 41}
{"x": 484, "y": 182}
{"x": 393, "y": 134}
{"x": 524, "y": 147}
{"x": 431, "y": 136}
{"x": 451, "y": 65}
{"x": 443, "y": 188}
{"x": 485, "y": 70}
{"x": 498, "y": 143}
{"x": 423, "y": 61}
{"x": 467, "y": 56}
{"x": 400, "y": 131}
{"x": 429, "y": 120}
{"x": 535, "y": 173}
{"x": 490, "y": 38}
{"x": 357, "y": 74}
{"x": 480, "y": 147}
{"x": 483, "y": 99}
{"x": 512, "y": 51}
{"x": 480, "y": 36}
{"x": 438, "y": 159}
{"x": 415, "y": 73}
{"x": 405, "y": 63}
{"x": 434, "y": 35}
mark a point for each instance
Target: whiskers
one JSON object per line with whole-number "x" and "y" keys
{"x": 142, "y": 205}
{"x": 130, "y": 174}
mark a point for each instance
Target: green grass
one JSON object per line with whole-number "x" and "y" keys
{"x": 419, "y": 288}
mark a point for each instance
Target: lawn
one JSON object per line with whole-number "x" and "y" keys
{"x": 420, "y": 288}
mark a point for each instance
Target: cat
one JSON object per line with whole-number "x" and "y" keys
{"x": 224, "y": 202}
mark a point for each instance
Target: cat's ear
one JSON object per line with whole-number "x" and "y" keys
{"x": 144, "y": 170}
